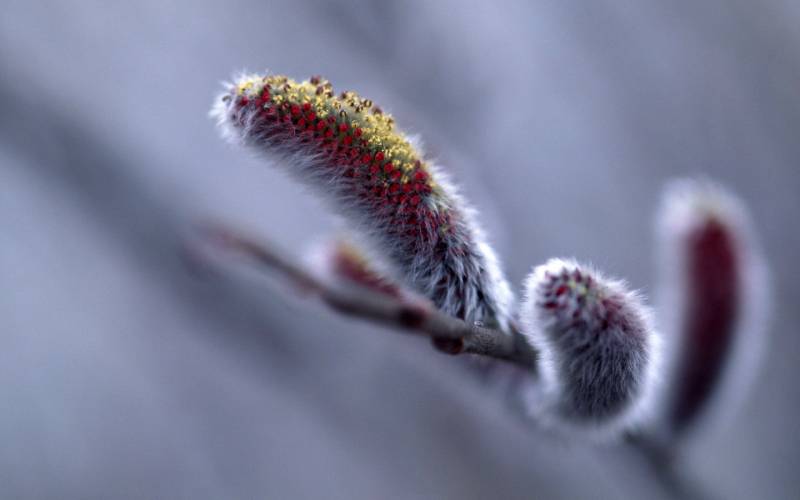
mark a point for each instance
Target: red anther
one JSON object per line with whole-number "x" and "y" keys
{"x": 415, "y": 200}
{"x": 347, "y": 140}
{"x": 343, "y": 127}
{"x": 295, "y": 109}
{"x": 379, "y": 156}
{"x": 311, "y": 116}
{"x": 388, "y": 168}
{"x": 306, "y": 106}
{"x": 358, "y": 132}
{"x": 420, "y": 175}
{"x": 320, "y": 125}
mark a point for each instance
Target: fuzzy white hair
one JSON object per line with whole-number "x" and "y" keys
{"x": 460, "y": 274}
{"x": 599, "y": 352}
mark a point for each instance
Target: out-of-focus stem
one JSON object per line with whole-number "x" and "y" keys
{"x": 448, "y": 334}
{"x": 662, "y": 464}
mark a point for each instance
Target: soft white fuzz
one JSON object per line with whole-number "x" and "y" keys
{"x": 598, "y": 348}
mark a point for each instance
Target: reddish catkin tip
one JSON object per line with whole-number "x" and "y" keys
{"x": 351, "y": 152}
{"x": 597, "y": 344}
{"x": 712, "y": 301}
{"x": 343, "y": 262}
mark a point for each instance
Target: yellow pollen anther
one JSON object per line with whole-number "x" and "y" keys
{"x": 377, "y": 133}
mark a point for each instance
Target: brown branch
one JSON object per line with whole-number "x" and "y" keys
{"x": 448, "y": 334}
{"x": 417, "y": 315}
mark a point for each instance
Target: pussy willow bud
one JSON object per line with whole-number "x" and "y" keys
{"x": 344, "y": 263}
{"x": 597, "y": 345}
{"x": 352, "y": 153}
{"x": 713, "y": 297}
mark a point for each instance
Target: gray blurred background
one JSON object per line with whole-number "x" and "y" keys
{"x": 125, "y": 373}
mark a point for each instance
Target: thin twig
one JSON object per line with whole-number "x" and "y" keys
{"x": 448, "y": 334}
{"x": 661, "y": 460}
